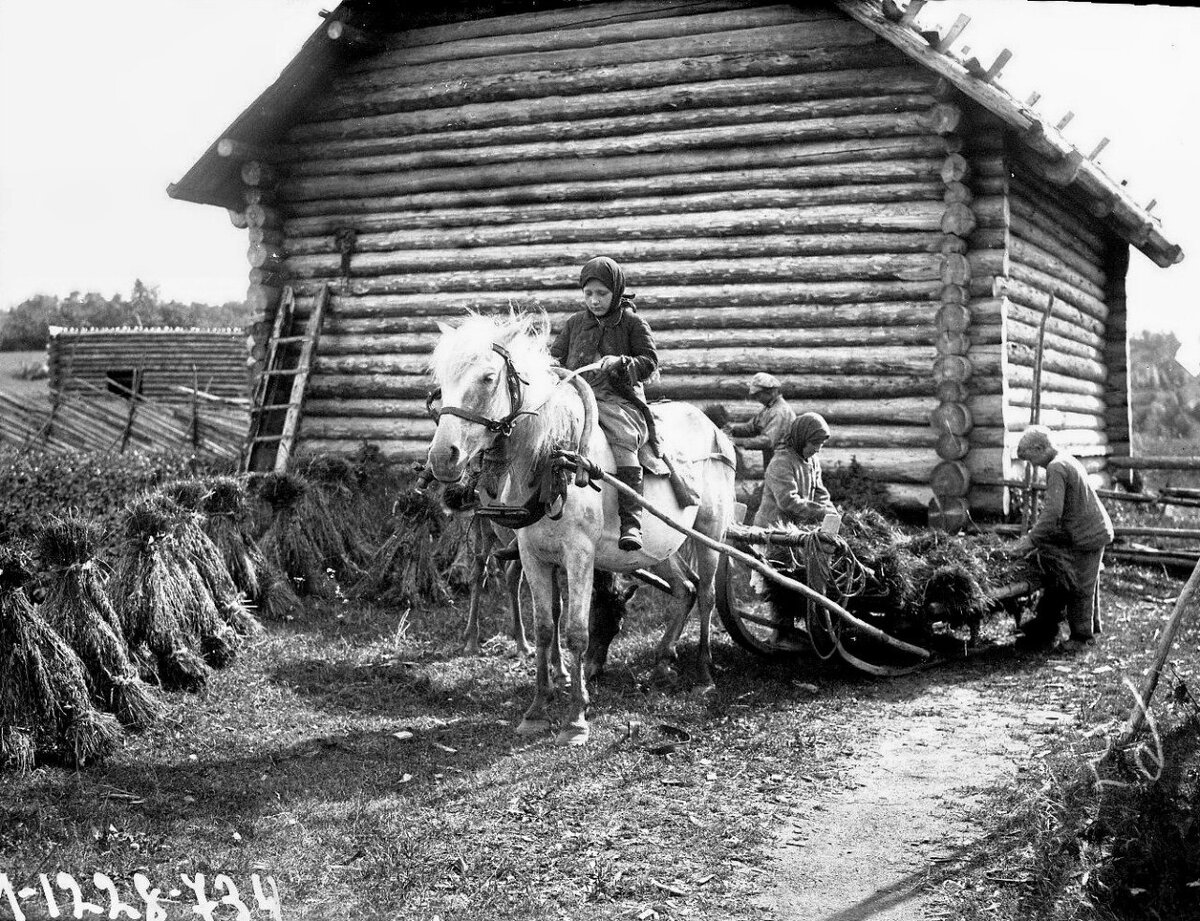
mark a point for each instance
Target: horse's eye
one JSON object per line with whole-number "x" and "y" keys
{"x": 490, "y": 377}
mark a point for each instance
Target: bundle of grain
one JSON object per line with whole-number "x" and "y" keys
{"x": 406, "y": 570}
{"x": 287, "y": 543}
{"x": 78, "y": 608}
{"x": 332, "y": 516}
{"x": 152, "y": 596}
{"x": 45, "y": 703}
{"x": 207, "y": 559}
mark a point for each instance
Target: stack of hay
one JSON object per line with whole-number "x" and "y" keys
{"x": 45, "y": 702}
{"x": 162, "y": 600}
{"x": 226, "y": 508}
{"x": 78, "y": 608}
{"x": 408, "y": 568}
{"x": 200, "y": 550}
{"x": 287, "y": 543}
{"x": 329, "y": 513}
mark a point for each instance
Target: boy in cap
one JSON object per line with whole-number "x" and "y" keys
{"x": 1074, "y": 528}
{"x": 771, "y": 424}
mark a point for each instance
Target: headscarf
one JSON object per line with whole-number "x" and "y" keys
{"x": 806, "y": 427}
{"x": 609, "y": 274}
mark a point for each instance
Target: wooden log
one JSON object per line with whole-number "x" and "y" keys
{"x": 782, "y": 151}
{"x": 763, "y": 124}
{"x": 762, "y": 24}
{"x": 1020, "y": 292}
{"x": 950, "y": 479}
{"x": 951, "y": 419}
{"x": 1027, "y": 254}
{"x": 860, "y": 227}
{"x": 1086, "y": 369}
{"x": 263, "y": 216}
{"x": 1045, "y": 207}
{"x": 269, "y": 236}
{"x": 1066, "y": 335}
{"x": 983, "y": 262}
{"x": 955, "y": 269}
{"x": 258, "y": 173}
{"x": 991, "y": 211}
{"x": 950, "y": 343}
{"x": 1038, "y": 247}
{"x": 708, "y": 84}
{"x": 777, "y": 99}
{"x": 542, "y": 20}
{"x": 907, "y": 262}
{"x": 1027, "y": 335}
{"x": 243, "y": 150}
{"x": 830, "y": 301}
{"x": 1083, "y": 300}
{"x": 953, "y": 368}
{"x": 865, "y": 281}
{"x": 687, "y": 59}
{"x": 1156, "y": 462}
{"x": 262, "y": 299}
{"x": 990, "y": 334}
{"x": 958, "y": 219}
{"x": 395, "y": 451}
{"x": 1021, "y": 395}
{"x": 801, "y": 187}
{"x": 826, "y": 323}
{"x": 237, "y": 218}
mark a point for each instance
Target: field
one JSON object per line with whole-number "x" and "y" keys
{"x": 11, "y": 365}
{"x": 373, "y": 772}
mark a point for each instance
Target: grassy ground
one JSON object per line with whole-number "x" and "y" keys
{"x": 12, "y": 364}
{"x": 299, "y": 763}
{"x": 1063, "y": 848}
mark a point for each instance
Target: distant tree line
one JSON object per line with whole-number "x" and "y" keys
{"x": 27, "y": 326}
{"x": 1166, "y": 397}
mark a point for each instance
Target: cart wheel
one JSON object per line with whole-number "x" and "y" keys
{"x": 748, "y": 618}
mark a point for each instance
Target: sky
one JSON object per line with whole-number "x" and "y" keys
{"x": 103, "y": 104}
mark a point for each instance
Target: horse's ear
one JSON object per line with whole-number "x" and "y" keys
{"x": 444, "y": 328}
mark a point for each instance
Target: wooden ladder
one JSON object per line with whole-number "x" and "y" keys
{"x": 276, "y": 409}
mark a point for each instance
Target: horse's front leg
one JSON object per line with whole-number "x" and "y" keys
{"x": 540, "y": 577}
{"x": 477, "y": 543}
{"x": 574, "y": 624}
{"x": 512, "y": 581}
{"x": 684, "y": 592}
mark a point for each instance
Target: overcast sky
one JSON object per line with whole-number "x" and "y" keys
{"x": 103, "y": 104}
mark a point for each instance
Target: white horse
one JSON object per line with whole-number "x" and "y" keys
{"x": 502, "y": 395}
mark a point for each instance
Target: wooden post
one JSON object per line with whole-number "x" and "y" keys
{"x": 1029, "y": 502}
{"x": 133, "y": 402}
{"x": 1137, "y": 714}
{"x": 195, "y": 428}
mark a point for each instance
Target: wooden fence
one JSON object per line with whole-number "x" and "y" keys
{"x": 85, "y": 417}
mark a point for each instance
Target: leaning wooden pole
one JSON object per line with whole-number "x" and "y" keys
{"x": 1137, "y": 715}
{"x": 761, "y": 568}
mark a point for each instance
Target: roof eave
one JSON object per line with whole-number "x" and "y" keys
{"x": 1063, "y": 163}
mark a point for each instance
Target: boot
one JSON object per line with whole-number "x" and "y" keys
{"x": 629, "y": 510}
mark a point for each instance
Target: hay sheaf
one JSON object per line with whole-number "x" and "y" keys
{"x": 288, "y": 544}
{"x": 78, "y": 607}
{"x": 45, "y": 702}
{"x": 411, "y": 566}
{"x": 153, "y": 596}
{"x": 226, "y": 509}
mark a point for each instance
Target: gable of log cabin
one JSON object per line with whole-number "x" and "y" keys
{"x": 166, "y": 363}
{"x": 778, "y": 176}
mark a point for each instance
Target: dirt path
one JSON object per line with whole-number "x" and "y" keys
{"x": 866, "y": 852}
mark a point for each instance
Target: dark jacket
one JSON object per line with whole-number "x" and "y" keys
{"x": 585, "y": 339}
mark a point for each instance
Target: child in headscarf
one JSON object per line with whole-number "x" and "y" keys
{"x": 792, "y": 489}
{"x": 609, "y": 331}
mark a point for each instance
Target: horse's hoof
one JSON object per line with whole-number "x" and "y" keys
{"x": 572, "y": 735}
{"x": 524, "y": 650}
{"x": 528, "y": 727}
{"x": 472, "y": 649}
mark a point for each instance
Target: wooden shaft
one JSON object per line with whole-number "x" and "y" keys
{"x": 1154, "y": 462}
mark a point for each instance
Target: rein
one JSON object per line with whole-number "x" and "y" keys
{"x": 502, "y": 427}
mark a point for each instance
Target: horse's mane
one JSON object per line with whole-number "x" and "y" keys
{"x": 525, "y": 336}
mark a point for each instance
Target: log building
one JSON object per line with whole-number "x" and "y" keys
{"x": 156, "y": 362}
{"x": 821, "y": 191}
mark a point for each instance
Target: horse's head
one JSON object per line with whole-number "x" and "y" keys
{"x": 481, "y": 368}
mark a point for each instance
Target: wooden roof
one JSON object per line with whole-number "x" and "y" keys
{"x": 215, "y": 179}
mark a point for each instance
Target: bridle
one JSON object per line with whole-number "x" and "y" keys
{"x": 502, "y": 426}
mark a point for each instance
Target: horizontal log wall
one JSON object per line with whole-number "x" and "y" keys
{"x": 1063, "y": 259}
{"x": 167, "y": 359}
{"x": 771, "y": 175}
